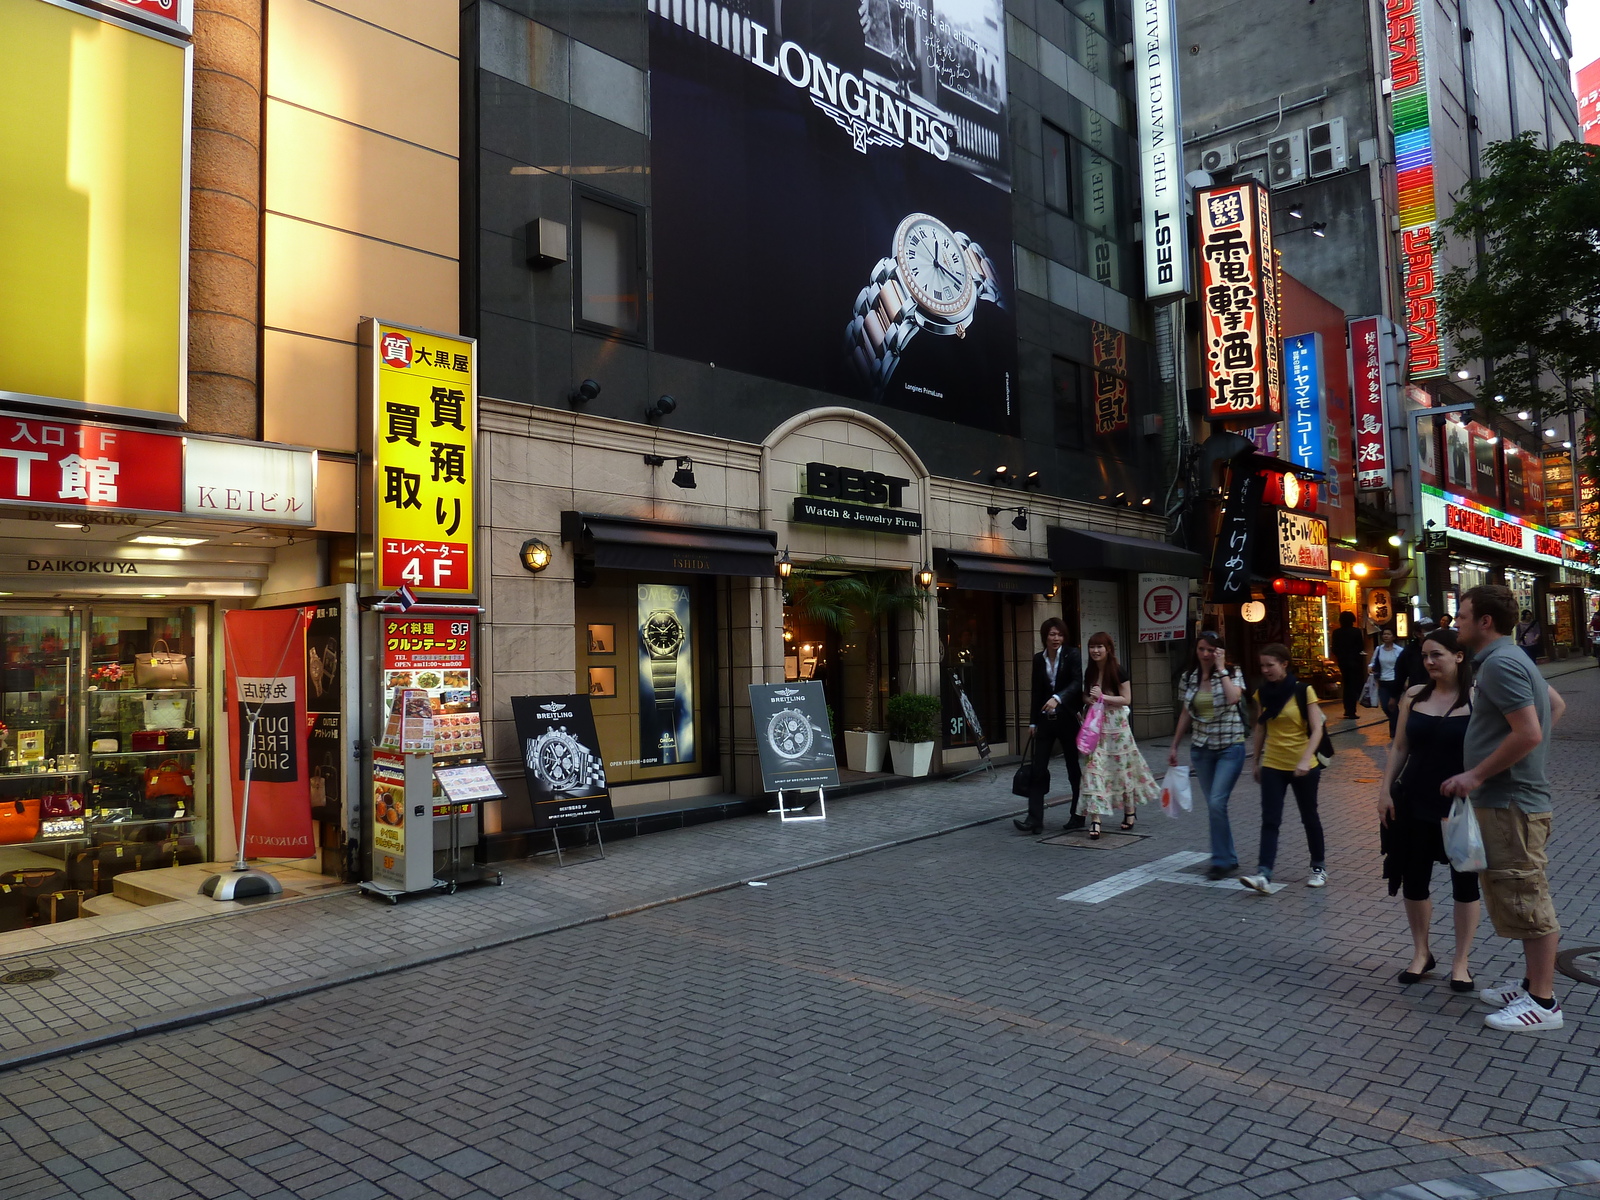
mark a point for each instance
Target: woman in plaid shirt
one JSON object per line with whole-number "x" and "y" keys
{"x": 1213, "y": 703}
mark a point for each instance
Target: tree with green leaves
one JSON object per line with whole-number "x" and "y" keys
{"x": 1530, "y": 300}
{"x": 855, "y": 604}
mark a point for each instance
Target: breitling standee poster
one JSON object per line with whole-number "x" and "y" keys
{"x": 666, "y": 676}
{"x": 561, "y": 759}
{"x": 830, "y": 186}
{"x": 793, "y": 738}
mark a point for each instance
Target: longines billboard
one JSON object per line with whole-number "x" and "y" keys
{"x": 831, "y": 198}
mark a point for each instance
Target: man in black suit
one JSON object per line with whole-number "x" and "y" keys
{"x": 1054, "y": 716}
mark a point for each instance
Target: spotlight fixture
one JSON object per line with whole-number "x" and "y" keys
{"x": 1319, "y": 229}
{"x": 1396, "y": 540}
{"x": 1463, "y": 373}
{"x": 1032, "y": 482}
{"x": 785, "y": 566}
{"x": 684, "y": 476}
{"x": 1297, "y": 213}
{"x": 925, "y": 577}
{"x": 535, "y": 555}
{"x": 1499, "y": 398}
{"x": 583, "y": 393}
{"x": 1566, "y": 445}
{"x": 1549, "y": 433}
{"x": 1145, "y": 503}
{"x": 1020, "y": 521}
{"x": 1001, "y": 476}
{"x": 662, "y": 406}
{"x": 1524, "y": 415}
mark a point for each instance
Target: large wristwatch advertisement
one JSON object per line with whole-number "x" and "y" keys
{"x": 561, "y": 760}
{"x": 848, "y": 160}
{"x": 666, "y": 675}
{"x": 794, "y": 740}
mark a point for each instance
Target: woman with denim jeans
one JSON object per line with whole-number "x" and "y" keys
{"x": 1284, "y": 750}
{"x": 1213, "y": 696}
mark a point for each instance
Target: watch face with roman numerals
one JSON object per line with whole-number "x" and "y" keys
{"x": 933, "y": 266}
{"x": 662, "y": 632}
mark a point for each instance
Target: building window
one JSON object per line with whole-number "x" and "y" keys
{"x": 1067, "y": 386}
{"x": 1057, "y": 170}
{"x": 610, "y": 267}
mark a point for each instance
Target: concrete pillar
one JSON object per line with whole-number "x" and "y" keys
{"x": 225, "y": 218}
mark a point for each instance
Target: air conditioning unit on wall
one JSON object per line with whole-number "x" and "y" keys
{"x": 1218, "y": 158}
{"x": 1327, "y": 148}
{"x": 1286, "y": 159}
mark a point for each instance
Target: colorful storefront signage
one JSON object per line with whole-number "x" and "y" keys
{"x": 422, "y": 447}
{"x": 1476, "y": 523}
{"x": 1302, "y": 543}
{"x": 1235, "y": 547}
{"x": 264, "y": 485}
{"x": 1371, "y": 430}
{"x": 433, "y": 655}
{"x": 1413, "y": 148}
{"x": 1304, "y": 383}
{"x": 1110, "y": 349}
{"x": 1238, "y": 283}
{"x": 1163, "y": 608}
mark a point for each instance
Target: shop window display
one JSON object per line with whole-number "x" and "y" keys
{"x": 971, "y": 651}
{"x": 101, "y": 770}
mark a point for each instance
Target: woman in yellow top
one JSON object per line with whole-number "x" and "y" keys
{"x": 1283, "y": 752}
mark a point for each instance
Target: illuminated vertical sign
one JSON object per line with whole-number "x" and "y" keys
{"x": 1244, "y": 384}
{"x": 1302, "y": 355}
{"x": 1413, "y": 152}
{"x": 1589, "y": 103}
{"x": 419, "y": 445}
{"x": 1371, "y": 434}
{"x": 1160, "y": 150}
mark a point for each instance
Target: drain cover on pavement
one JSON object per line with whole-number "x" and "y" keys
{"x": 30, "y": 975}
{"x": 1581, "y": 963}
{"x": 1078, "y": 839}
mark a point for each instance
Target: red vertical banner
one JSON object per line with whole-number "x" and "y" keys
{"x": 266, "y": 675}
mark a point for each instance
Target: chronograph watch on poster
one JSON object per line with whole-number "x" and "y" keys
{"x": 789, "y": 733}
{"x": 932, "y": 280}
{"x": 562, "y": 762}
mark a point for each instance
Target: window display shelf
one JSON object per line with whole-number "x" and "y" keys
{"x": 137, "y": 691}
{"x": 140, "y": 823}
{"x": 24, "y": 773}
{"x": 144, "y": 753}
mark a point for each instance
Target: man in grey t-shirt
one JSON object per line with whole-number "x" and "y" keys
{"x": 1513, "y": 709}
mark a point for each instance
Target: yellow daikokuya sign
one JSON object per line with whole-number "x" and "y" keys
{"x": 94, "y": 208}
{"x": 420, "y": 445}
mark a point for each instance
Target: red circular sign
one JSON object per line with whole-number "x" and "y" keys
{"x": 396, "y": 350}
{"x": 1164, "y": 605}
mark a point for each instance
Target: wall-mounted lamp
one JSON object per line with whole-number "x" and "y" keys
{"x": 788, "y": 635}
{"x": 535, "y": 555}
{"x": 1396, "y": 540}
{"x": 1032, "y": 482}
{"x": 684, "y": 476}
{"x": 785, "y": 566}
{"x": 1463, "y": 373}
{"x": 1001, "y": 477}
{"x": 1020, "y": 521}
{"x": 662, "y": 406}
{"x": 925, "y": 577}
{"x": 1315, "y": 229}
{"x": 1297, "y": 213}
{"x": 1522, "y": 416}
{"x": 583, "y": 393}
{"x": 1359, "y": 570}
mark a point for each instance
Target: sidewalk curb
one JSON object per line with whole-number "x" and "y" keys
{"x": 201, "y": 1013}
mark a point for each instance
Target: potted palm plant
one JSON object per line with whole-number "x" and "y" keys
{"x": 913, "y": 726}
{"x": 857, "y": 604}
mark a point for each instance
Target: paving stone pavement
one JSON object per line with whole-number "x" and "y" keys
{"x": 928, "y": 1019}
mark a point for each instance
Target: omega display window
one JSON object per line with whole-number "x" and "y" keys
{"x": 104, "y": 717}
{"x": 645, "y": 653}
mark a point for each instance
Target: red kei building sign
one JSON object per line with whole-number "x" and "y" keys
{"x": 70, "y": 464}
{"x": 1239, "y": 291}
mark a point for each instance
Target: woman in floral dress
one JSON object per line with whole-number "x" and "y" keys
{"x": 1115, "y": 775}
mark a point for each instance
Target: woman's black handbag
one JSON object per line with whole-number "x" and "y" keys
{"x": 1024, "y": 783}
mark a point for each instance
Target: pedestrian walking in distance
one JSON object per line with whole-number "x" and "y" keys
{"x": 1283, "y": 754}
{"x": 1410, "y": 670}
{"x": 1385, "y": 660}
{"x": 1427, "y": 749}
{"x": 1349, "y": 647}
{"x": 1529, "y": 635}
{"x": 1508, "y": 735}
{"x": 1213, "y": 707}
{"x": 1115, "y": 775}
{"x": 1057, "y": 699}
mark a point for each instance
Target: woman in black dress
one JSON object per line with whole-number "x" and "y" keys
{"x": 1427, "y": 750}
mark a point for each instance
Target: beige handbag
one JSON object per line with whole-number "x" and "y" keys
{"x": 160, "y": 668}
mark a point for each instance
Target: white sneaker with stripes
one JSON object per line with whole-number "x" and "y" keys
{"x": 1525, "y": 1016}
{"x": 1498, "y": 995}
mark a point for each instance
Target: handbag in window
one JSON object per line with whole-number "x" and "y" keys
{"x": 19, "y": 821}
{"x": 160, "y": 668}
{"x": 163, "y": 712}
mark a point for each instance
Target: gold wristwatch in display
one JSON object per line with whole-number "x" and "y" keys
{"x": 663, "y": 636}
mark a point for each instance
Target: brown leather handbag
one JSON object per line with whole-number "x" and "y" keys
{"x": 160, "y": 668}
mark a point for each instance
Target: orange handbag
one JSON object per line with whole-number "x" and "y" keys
{"x": 171, "y": 779}
{"x": 19, "y": 821}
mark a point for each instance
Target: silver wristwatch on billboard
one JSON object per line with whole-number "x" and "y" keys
{"x": 932, "y": 280}
{"x": 663, "y": 636}
{"x": 563, "y": 763}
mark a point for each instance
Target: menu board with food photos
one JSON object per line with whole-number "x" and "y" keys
{"x": 433, "y": 655}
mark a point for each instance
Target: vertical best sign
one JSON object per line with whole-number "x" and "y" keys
{"x": 420, "y": 448}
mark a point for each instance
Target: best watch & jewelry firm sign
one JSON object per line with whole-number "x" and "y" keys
{"x": 851, "y": 498}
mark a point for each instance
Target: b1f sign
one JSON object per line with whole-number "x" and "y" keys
{"x": 1163, "y": 608}
{"x": 1166, "y": 257}
{"x": 1302, "y": 356}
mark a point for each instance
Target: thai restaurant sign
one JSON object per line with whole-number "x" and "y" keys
{"x": 1238, "y": 284}
{"x": 1371, "y": 431}
{"x": 1413, "y": 151}
{"x": 420, "y": 447}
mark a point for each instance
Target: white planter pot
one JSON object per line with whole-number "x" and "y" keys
{"x": 913, "y": 759}
{"x": 863, "y": 751}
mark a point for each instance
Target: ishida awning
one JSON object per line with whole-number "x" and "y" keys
{"x": 632, "y": 544}
{"x": 995, "y": 572}
{"x": 1081, "y": 550}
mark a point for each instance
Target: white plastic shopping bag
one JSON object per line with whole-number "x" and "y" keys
{"x": 1369, "y": 693}
{"x": 1463, "y": 840}
{"x": 1175, "y": 791}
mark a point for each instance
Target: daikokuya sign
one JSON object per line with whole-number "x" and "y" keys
{"x": 1166, "y": 258}
{"x": 1474, "y": 523}
{"x": 1238, "y": 284}
{"x": 861, "y": 157}
{"x": 1413, "y": 152}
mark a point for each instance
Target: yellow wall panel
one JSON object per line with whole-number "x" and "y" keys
{"x": 341, "y": 175}
{"x": 330, "y": 62}
{"x": 308, "y": 391}
{"x": 336, "y": 496}
{"x": 322, "y": 281}
{"x": 435, "y": 23}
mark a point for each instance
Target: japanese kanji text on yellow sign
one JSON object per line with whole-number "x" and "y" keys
{"x": 424, "y": 422}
